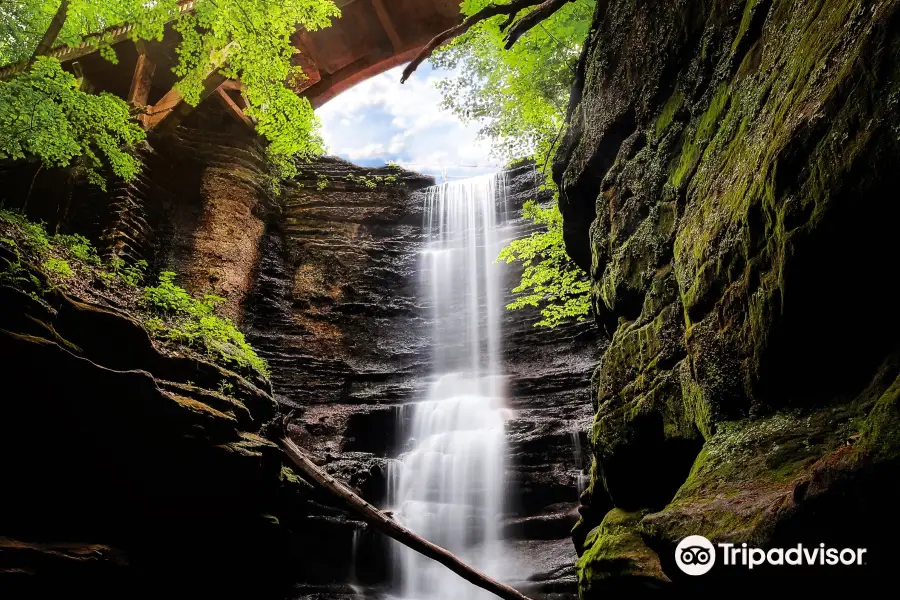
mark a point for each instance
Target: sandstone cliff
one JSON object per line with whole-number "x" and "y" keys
{"x": 174, "y": 470}
{"x": 728, "y": 179}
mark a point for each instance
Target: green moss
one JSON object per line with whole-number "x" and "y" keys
{"x": 675, "y": 102}
{"x": 745, "y": 23}
{"x": 615, "y": 549}
{"x": 703, "y": 132}
{"x": 696, "y": 406}
{"x": 881, "y": 429}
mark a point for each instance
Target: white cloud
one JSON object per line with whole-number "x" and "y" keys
{"x": 367, "y": 151}
{"x": 382, "y": 119}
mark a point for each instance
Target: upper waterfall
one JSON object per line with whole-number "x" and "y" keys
{"x": 449, "y": 486}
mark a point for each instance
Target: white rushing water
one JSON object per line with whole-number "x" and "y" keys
{"x": 449, "y": 486}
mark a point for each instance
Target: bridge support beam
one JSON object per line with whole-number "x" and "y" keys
{"x": 141, "y": 82}
{"x": 387, "y": 24}
{"x": 168, "y": 113}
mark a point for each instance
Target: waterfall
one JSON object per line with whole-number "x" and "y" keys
{"x": 581, "y": 478}
{"x": 449, "y": 485}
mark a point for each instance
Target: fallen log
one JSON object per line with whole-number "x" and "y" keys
{"x": 391, "y": 528}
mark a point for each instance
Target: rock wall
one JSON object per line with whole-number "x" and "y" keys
{"x": 338, "y": 312}
{"x": 728, "y": 180}
{"x": 324, "y": 279}
{"x": 130, "y": 470}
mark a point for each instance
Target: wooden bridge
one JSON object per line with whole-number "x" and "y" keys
{"x": 369, "y": 38}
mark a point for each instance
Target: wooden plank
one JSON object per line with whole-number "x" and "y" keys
{"x": 84, "y": 84}
{"x": 141, "y": 83}
{"x": 392, "y": 528}
{"x": 56, "y": 25}
{"x": 233, "y": 109}
{"x": 172, "y": 109}
{"x": 388, "y": 24}
{"x": 232, "y": 84}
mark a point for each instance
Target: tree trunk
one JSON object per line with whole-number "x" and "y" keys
{"x": 391, "y": 528}
{"x": 56, "y": 25}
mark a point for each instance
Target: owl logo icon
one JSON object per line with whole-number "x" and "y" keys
{"x": 695, "y": 555}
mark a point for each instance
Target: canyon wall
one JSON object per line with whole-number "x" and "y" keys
{"x": 338, "y": 311}
{"x": 323, "y": 276}
{"x": 728, "y": 179}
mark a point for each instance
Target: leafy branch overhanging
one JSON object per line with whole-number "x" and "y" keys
{"x": 513, "y": 28}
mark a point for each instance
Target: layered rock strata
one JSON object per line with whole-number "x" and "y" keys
{"x": 728, "y": 179}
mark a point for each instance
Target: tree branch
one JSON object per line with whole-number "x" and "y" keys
{"x": 56, "y": 25}
{"x": 386, "y": 525}
{"x": 517, "y": 29}
{"x": 532, "y": 19}
{"x": 494, "y": 10}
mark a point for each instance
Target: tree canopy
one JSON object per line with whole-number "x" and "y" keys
{"x": 255, "y": 35}
{"x": 516, "y": 86}
{"x": 518, "y": 95}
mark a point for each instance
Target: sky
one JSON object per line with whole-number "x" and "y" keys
{"x": 380, "y": 120}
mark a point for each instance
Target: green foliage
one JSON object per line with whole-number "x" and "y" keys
{"x": 130, "y": 274}
{"x": 322, "y": 182}
{"x": 57, "y": 268}
{"x": 519, "y": 97}
{"x": 255, "y": 36}
{"x": 23, "y": 23}
{"x": 79, "y": 246}
{"x": 182, "y": 318}
{"x": 33, "y": 235}
{"x": 550, "y": 279}
{"x": 44, "y": 115}
{"x": 174, "y": 315}
{"x": 372, "y": 181}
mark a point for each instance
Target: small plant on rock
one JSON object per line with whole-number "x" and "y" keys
{"x": 79, "y": 246}
{"x": 182, "y": 318}
{"x": 57, "y": 268}
{"x": 129, "y": 274}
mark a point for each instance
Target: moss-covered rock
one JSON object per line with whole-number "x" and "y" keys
{"x": 728, "y": 176}
{"x": 130, "y": 468}
{"x": 615, "y": 558}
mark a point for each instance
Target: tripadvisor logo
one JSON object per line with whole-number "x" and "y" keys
{"x": 696, "y": 555}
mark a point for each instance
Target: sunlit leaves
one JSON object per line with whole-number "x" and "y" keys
{"x": 44, "y": 115}
{"x": 550, "y": 280}
{"x": 248, "y": 40}
{"x": 518, "y": 95}
{"x": 259, "y": 33}
{"x": 519, "y": 98}
{"x": 23, "y": 22}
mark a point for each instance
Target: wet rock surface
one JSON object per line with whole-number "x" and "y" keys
{"x": 704, "y": 187}
{"x": 183, "y": 479}
{"x": 338, "y": 311}
{"x": 128, "y": 470}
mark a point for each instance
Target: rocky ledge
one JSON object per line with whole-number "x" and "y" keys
{"x": 131, "y": 468}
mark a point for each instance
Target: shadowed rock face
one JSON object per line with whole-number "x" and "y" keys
{"x": 728, "y": 177}
{"x": 325, "y": 281}
{"x": 337, "y": 311}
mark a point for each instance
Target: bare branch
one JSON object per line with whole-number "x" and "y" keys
{"x": 494, "y": 10}
{"x": 56, "y": 25}
{"x": 532, "y": 19}
{"x": 384, "y": 523}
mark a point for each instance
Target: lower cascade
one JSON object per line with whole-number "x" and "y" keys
{"x": 449, "y": 485}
